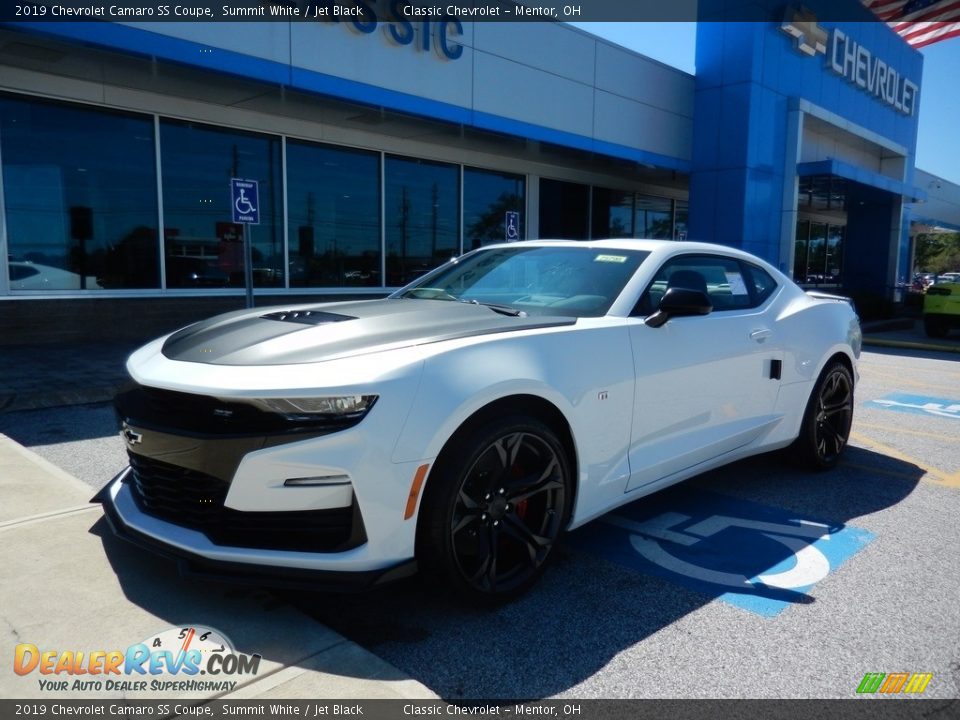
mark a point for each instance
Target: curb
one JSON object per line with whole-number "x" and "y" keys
{"x": 16, "y": 402}
{"x": 910, "y": 345}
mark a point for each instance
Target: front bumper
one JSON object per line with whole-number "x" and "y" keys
{"x": 197, "y": 556}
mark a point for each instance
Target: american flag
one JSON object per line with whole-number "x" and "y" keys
{"x": 919, "y": 22}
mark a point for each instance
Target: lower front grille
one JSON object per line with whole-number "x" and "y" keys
{"x": 195, "y": 500}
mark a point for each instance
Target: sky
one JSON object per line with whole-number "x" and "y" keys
{"x": 938, "y": 141}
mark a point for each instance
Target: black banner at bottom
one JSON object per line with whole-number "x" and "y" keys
{"x": 873, "y": 708}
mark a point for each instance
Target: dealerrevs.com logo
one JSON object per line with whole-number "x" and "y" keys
{"x": 180, "y": 659}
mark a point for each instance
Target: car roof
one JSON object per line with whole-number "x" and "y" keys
{"x": 663, "y": 247}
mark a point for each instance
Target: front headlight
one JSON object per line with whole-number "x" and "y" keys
{"x": 352, "y": 407}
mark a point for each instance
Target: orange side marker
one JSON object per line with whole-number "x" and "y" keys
{"x": 415, "y": 491}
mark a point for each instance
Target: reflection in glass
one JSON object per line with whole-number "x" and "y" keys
{"x": 817, "y": 253}
{"x": 422, "y": 217}
{"x": 564, "y": 210}
{"x": 204, "y": 248}
{"x": 333, "y": 201}
{"x": 653, "y": 217}
{"x": 487, "y": 197}
{"x": 800, "y": 251}
{"x": 682, "y": 212}
{"x": 80, "y": 196}
{"x": 612, "y": 213}
{"x": 835, "y": 235}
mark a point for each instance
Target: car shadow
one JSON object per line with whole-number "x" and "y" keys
{"x": 72, "y": 423}
{"x": 582, "y": 613}
{"x": 257, "y": 621}
{"x": 587, "y": 608}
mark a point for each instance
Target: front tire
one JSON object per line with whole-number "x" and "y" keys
{"x": 495, "y": 506}
{"x": 827, "y": 419}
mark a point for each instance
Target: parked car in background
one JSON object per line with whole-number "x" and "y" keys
{"x": 32, "y": 276}
{"x": 462, "y": 424}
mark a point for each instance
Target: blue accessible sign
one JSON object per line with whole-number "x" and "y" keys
{"x": 757, "y": 557}
{"x": 245, "y": 201}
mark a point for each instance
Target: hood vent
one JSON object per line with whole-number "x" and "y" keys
{"x": 306, "y": 317}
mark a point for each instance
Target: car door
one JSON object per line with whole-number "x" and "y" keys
{"x": 706, "y": 385}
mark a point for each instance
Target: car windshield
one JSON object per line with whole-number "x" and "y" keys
{"x": 535, "y": 280}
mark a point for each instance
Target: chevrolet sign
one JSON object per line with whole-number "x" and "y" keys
{"x": 851, "y": 61}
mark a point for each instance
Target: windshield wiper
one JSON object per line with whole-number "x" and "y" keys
{"x": 502, "y": 309}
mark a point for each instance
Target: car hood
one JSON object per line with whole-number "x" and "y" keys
{"x": 314, "y": 333}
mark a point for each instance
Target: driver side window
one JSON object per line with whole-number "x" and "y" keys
{"x": 721, "y": 278}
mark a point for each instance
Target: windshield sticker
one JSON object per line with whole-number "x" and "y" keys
{"x": 611, "y": 258}
{"x": 737, "y": 286}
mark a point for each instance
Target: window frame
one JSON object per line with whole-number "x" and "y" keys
{"x": 757, "y": 300}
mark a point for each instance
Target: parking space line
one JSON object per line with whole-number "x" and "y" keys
{"x": 952, "y": 439}
{"x": 934, "y": 475}
{"x": 907, "y": 382}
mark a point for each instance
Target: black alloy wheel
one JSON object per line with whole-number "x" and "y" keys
{"x": 491, "y": 520}
{"x": 827, "y": 420}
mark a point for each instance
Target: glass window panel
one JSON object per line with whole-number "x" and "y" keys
{"x": 81, "y": 197}
{"x": 564, "y": 210}
{"x": 835, "y": 235}
{"x": 612, "y": 213}
{"x": 203, "y": 247}
{"x": 800, "y": 251}
{"x": 682, "y": 214}
{"x": 333, "y": 201}
{"x": 817, "y": 253}
{"x": 720, "y": 278}
{"x": 654, "y": 217}
{"x": 487, "y": 197}
{"x": 422, "y": 217}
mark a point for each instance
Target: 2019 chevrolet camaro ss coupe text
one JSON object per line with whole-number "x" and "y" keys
{"x": 466, "y": 421}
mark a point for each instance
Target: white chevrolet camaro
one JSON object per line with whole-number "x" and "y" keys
{"x": 463, "y": 423}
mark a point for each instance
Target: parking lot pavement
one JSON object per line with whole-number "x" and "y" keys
{"x": 67, "y": 585}
{"x": 909, "y": 409}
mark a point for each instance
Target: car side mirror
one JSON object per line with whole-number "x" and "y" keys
{"x": 679, "y": 302}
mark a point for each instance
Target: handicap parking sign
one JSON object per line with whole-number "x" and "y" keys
{"x": 511, "y": 226}
{"x": 245, "y": 201}
{"x": 759, "y": 558}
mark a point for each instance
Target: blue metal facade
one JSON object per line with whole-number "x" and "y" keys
{"x": 753, "y": 89}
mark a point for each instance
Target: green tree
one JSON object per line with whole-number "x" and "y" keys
{"x": 937, "y": 252}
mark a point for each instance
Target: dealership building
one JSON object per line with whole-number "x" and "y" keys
{"x": 372, "y": 150}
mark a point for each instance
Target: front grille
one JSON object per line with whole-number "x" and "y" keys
{"x": 206, "y": 416}
{"x": 195, "y": 500}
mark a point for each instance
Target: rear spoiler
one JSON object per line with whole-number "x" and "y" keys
{"x": 820, "y": 295}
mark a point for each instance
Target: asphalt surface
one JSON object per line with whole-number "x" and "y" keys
{"x": 597, "y": 628}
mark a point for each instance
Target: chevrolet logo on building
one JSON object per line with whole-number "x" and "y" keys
{"x": 801, "y": 24}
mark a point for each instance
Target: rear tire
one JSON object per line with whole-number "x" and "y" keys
{"x": 495, "y": 506}
{"x": 827, "y": 420}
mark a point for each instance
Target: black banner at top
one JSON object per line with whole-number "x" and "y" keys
{"x": 362, "y": 12}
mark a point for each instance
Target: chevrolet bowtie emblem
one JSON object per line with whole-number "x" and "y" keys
{"x": 801, "y": 25}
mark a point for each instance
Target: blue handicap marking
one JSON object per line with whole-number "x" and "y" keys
{"x": 919, "y": 405}
{"x": 760, "y": 558}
